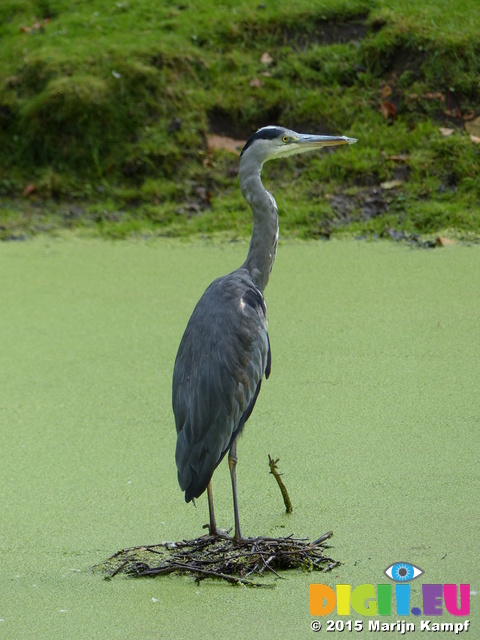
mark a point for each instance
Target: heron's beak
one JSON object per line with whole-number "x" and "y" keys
{"x": 307, "y": 141}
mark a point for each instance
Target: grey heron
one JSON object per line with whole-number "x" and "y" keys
{"x": 225, "y": 350}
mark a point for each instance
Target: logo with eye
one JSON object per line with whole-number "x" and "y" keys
{"x": 403, "y": 572}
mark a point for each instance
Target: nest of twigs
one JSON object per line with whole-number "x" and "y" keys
{"x": 222, "y": 558}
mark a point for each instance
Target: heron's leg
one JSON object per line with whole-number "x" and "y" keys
{"x": 213, "y": 524}
{"x": 232, "y": 463}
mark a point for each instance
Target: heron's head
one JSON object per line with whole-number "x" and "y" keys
{"x": 277, "y": 142}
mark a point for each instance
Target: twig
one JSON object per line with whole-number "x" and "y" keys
{"x": 274, "y": 471}
{"x": 120, "y": 567}
{"x": 222, "y": 558}
{"x": 321, "y": 539}
{"x": 204, "y": 573}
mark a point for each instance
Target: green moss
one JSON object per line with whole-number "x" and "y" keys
{"x": 130, "y": 124}
{"x": 64, "y": 124}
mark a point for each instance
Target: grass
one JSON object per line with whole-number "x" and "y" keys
{"x": 105, "y": 108}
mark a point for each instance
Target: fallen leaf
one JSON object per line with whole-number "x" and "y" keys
{"x": 37, "y": 26}
{"x": 434, "y": 95}
{"x": 255, "y": 83}
{"x": 386, "y": 91}
{"x": 224, "y": 143}
{"x": 453, "y": 113}
{"x": 446, "y": 132}
{"x": 398, "y": 158}
{"x": 391, "y": 184}
{"x": 266, "y": 58}
{"x": 473, "y": 127}
{"x": 441, "y": 241}
{"x": 29, "y": 189}
{"x": 388, "y": 110}
{"x": 475, "y": 139}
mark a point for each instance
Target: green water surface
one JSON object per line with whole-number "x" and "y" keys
{"x": 373, "y": 408}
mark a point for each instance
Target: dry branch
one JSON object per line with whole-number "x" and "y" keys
{"x": 221, "y": 557}
{"x": 274, "y": 471}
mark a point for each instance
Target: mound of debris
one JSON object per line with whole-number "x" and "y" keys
{"x": 222, "y": 558}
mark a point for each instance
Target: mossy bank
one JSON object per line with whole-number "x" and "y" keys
{"x": 106, "y": 112}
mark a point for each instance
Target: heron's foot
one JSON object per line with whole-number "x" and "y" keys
{"x": 215, "y": 532}
{"x": 256, "y": 539}
{"x": 239, "y": 540}
{"x": 224, "y": 534}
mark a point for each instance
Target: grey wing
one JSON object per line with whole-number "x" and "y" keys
{"x": 223, "y": 356}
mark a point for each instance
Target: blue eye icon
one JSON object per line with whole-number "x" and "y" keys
{"x": 403, "y": 572}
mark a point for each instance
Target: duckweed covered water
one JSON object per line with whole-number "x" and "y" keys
{"x": 372, "y": 407}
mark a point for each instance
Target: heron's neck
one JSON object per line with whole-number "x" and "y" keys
{"x": 263, "y": 245}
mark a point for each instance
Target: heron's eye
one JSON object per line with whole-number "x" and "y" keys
{"x": 403, "y": 571}
{"x": 286, "y": 138}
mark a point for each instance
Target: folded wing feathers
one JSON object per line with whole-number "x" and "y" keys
{"x": 223, "y": 356}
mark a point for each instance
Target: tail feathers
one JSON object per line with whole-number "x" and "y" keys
{"x": 196, "y": 464}
{"x": 197, "y": 484}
